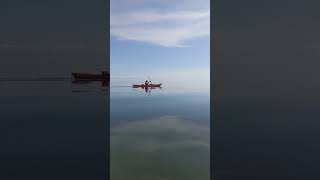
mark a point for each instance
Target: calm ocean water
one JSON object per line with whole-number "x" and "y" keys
{"x": 159, "y": 134}
{"x": 271, "y": 138}
{"x": 53, "y": 129}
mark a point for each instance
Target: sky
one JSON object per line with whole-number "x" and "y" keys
{"x": 52, "y": 38}
{"x": 167, "y": 40}
{"x": 274, "y": 53}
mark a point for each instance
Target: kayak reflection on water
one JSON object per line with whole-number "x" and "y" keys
{"x": 149, "y": 89}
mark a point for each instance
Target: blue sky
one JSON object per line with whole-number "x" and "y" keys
{"x": 169, "y": 40}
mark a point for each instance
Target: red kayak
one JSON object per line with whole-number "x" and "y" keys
{"x": 146, "y": 86}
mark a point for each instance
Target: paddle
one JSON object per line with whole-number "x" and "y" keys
{"x": 150, "y": 83}
{"x": 149, "y": 79}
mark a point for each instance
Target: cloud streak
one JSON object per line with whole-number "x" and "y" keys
{"x": 152, "y": 16}
{"x": 170, "y": 28}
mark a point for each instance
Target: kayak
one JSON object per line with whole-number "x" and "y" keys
{"x": 146, "y": 86}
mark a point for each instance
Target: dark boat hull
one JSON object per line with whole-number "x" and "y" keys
{"x": 86, "y": 76}
{"x": 91, "y": 77}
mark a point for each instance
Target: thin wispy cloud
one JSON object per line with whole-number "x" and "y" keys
{"x": 135, "y": 18}
{"x": 169, "y": 27}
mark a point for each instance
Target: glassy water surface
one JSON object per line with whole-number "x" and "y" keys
{"x": 58, "y": 130}
{"x": 53, "y": 129}
{"x": 159, "y": 134}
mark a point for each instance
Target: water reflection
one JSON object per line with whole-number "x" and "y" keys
{"x": 86, "y": 82}
{"x": 166, "y": 147}
{"x": 100, "y": 85}
{"x": 148, "y": 90}
{"x": 164, "y": 136}
{"x": 49, "y": 132}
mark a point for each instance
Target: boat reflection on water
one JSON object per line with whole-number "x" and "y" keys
{"x": 86, "y": 82}
{"x": 148, "y": 89}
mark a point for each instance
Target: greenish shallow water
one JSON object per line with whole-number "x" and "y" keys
{"x": 162, "y": 135}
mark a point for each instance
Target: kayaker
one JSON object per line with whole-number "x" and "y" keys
{"x": 146, "y": 83}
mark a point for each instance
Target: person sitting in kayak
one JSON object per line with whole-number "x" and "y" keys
{"x": 146, "y": 83}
